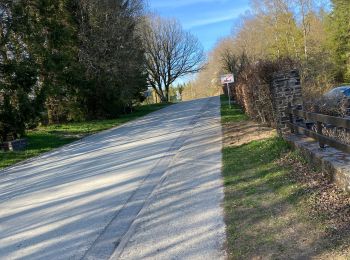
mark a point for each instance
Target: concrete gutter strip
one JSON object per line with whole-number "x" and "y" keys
{"x": 330, "y": 160}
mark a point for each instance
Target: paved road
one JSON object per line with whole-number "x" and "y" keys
{"x": 149, "y": 189}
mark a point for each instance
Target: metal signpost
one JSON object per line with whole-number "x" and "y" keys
{"x": 227, "y": 79}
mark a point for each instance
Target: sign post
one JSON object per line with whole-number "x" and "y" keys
{"x": 227, "y": 79}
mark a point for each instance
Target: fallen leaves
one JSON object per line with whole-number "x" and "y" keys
{"x": 325, "y": 199}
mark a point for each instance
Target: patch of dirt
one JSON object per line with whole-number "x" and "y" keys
{"x": 239, "y": 133}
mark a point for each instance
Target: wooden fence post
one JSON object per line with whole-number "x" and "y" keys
{"x": 319, "y": 131}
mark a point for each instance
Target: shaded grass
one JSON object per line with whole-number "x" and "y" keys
{"x": 276, "y": 205}
{"x": 46, "y": 138}
{"x": 257, "y": 191}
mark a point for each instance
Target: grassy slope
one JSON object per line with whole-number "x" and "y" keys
{"x": 46, "y": 138}
{"x": 267, "y": 211}
{"x": 253, "y": 183}
{"x": 235, "y": 114}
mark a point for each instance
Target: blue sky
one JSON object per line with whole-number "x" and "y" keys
{"x": 209, "y": 20}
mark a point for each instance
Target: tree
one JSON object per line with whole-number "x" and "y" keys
{"x": 171, "y": 53}
{"x": 49, "y": 31}
{"x": 20, "y": 93}
{"x": 233, "y": 63}
{"x": 278, "y": 27}
{"x": 73, "y": 58}
{"x": 111, "y": 51}
{"x": 305, "y": 9}
{"x": 207, "y": 82}
{"x": 339, "y": 29}
{"x": 275, "y": 29}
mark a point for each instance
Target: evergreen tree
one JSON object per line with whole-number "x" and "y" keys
{"x": 112, "y": 53}
{"x": 20, "y": 95}
{"x": 51, "y": 36}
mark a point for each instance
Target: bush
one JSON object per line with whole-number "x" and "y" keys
{"x": 253, "y": 90}
{"x": 327, "y": 106}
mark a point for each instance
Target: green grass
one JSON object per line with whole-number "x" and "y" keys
{"x": 44, "y": 139}
{"x": 270, "y": 211}
{"x": 233, "y": 114}
{"x": 257, "y": 188}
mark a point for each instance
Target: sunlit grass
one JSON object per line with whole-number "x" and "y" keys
{"x": 256, "y": 189}
{"x": 233, "y": 114}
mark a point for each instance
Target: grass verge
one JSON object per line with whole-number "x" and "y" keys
{"x": 46, "y": 138}
{"x": 234, "y": 114}
{"x": 270, "y": 210}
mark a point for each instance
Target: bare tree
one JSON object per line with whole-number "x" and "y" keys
{"x": 171, "y": 53}
{"x": 305, "y": 9}
{"x": 233, "y": 63}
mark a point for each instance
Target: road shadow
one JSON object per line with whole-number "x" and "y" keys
{"x": 56, "y": 206}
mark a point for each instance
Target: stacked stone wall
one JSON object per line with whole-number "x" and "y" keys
{"x": 286, "y": 91}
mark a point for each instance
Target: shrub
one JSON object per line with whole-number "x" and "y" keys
{"x": 253, "y": 90}
{"x": 327, "y": 106}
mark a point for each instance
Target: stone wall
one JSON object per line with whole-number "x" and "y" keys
{"x": 334, "y": 163}
{"x": 286, "y": 91}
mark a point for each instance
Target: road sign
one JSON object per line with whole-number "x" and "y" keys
{"x": 228, "y": 78}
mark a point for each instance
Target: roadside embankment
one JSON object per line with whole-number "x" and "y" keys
{"x": 276, "y": 205}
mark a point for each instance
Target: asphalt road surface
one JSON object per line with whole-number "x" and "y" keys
{"x": 150, "y": 189}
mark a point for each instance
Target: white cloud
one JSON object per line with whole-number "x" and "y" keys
{"x": 215, "y": 17}
{"x": 181, "y": 3}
